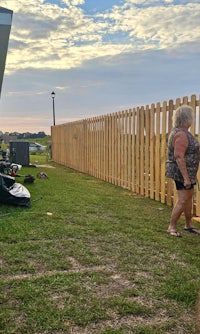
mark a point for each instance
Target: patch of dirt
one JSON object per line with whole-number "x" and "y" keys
{"x": 45, "y": 166}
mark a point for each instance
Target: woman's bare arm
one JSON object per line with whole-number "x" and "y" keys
{"x": 180, "y": 147}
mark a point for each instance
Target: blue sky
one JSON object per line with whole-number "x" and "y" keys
{"x": 99, "y": 56}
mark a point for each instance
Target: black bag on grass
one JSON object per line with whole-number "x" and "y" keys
{"x": 13, "y": 193}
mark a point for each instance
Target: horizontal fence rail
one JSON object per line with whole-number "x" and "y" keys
{"x": 126, "y": 148}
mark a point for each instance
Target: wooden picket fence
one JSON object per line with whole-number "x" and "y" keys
{"x": 126, "y": 148}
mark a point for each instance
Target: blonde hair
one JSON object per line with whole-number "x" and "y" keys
{"x": 184, "y": 116}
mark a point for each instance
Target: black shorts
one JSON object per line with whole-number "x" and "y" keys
{"x": 180, "y": 186}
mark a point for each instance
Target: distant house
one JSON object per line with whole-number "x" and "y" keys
{"x": 6, "y": 138}
{"x": 5, "y": 27}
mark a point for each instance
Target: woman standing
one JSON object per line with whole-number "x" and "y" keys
{"x": 182, "y": 166}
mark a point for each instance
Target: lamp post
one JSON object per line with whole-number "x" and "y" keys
{"x": 53, "y": 94}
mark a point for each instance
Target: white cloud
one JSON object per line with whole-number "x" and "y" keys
{"x": 46, "y": 35}
{"x": 97, "y": 61}
{"x": 157, "y": 26}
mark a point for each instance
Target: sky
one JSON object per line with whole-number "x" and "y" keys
{"x": 98, "y": 56}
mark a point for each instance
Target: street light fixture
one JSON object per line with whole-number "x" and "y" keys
{"x": 53, "y": 94}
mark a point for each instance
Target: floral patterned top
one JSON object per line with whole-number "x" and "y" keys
{"x": 192, "y": 158}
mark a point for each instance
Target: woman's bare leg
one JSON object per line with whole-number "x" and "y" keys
{"x": 188, "y": 208}
{"x": 183, "y": 204}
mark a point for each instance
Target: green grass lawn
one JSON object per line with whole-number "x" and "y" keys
{"x": 89, "y": 257}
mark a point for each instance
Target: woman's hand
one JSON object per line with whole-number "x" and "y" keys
{"x": 187, "y": 183}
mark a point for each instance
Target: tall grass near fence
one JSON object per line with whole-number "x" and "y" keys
{"x": 126, "y": 148}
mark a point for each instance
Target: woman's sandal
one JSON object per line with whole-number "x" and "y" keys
{"x": 174, "y": 233}
{"x": 192, "y": 230}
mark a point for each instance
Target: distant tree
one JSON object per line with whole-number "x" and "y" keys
{"x": 41, "y": 134}
{"x": 28, "y": 135}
